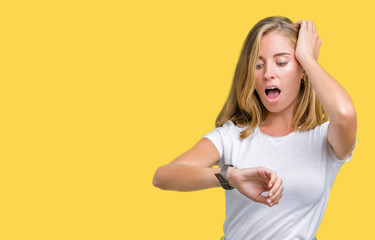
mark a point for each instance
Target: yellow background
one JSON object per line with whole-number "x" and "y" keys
{"x": 95, "y": 95}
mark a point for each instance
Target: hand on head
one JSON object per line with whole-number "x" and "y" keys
{"x": 308, "y": 44}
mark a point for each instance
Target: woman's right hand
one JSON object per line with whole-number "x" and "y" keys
{"x": 252, "y": 182}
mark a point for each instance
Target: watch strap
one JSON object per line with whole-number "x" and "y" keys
{"x": 222, "y": 177}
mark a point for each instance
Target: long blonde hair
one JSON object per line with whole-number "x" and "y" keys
{"x": 243, "y": 106}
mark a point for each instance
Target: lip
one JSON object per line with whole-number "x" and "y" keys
{"x": 271, "y": 100}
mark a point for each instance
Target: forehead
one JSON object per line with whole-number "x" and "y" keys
{"x": 274, "y": 42}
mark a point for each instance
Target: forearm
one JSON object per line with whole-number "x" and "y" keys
{"x": 334, "y": 98}
{"x": 181, "y": 177}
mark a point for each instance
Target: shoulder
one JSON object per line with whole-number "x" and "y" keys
{"x": 318, "y": 137}
{"x": 313, "y": 136}
{"x": 229, "y": 124}
{"x": 230, "y": 127}
{"x": 226, "y": 130}
{"x": 320, "y": 130}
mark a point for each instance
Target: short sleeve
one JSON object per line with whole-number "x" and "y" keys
{"x": 331, "y": 154}
{"x": 333, "y": 163}
{"x": 339, "y": 161}
{"x": 217, "y": 137}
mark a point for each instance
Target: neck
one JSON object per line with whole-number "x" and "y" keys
{"x": 278, "y": 120}
{"x": 277, "y": 124}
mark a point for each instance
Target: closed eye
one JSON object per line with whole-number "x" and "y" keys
{"x": 282, "y": 63}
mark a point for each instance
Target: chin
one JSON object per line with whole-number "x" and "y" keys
{"x": 274, "y": 109}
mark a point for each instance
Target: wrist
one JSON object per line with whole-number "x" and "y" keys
{"x": 305, "y": 60}
{"x": 223, "y": 176}
{"x": 230, "y": 172}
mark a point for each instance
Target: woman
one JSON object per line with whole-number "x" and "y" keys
{"x": 278, "y": 154}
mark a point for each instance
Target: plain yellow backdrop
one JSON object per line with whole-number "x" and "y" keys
{"x": 95, "y": 95}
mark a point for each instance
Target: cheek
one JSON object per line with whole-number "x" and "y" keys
{"x": 258, "y": 80}
{"x": 258, "y": 75}
{"x": 293, "y": 74}
{"x": 291, "y": 69}
{"x": 294, "y": 84}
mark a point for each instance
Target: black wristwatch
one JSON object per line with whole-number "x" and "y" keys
{"x": 222, "y": 176}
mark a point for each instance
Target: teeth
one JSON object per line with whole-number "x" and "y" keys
{"x": 270, "y": 88}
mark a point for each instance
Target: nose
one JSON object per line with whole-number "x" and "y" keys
{"x": 269, "y": 72}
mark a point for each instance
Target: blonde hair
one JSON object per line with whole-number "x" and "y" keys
{"x": 243, "y": 106}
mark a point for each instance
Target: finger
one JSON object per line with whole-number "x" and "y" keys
{"x": 278, "y": 199}
{"x": 298, "y": 23}
{"x": 309, "y": 25}
{"x": 267, "y": 178}
{"x": 272, "y": 178}
{"x": 275, "y": 190}
{"x": 303, "y": 24}
{"x": 270, "y": 203}
{"x": 261, "y": 199}
{"x": 264, "y": 176}
{"x": 313, "y": 26}
{"x": 274, "y": 201}
{"x": 275, "y": 184}
{"x": 277, "y": 194}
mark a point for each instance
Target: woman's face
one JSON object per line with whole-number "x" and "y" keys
{"x": 278, "y": 74}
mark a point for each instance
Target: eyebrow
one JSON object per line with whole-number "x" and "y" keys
{"x": 277, "y": 54}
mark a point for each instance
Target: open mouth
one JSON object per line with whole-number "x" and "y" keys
{"x": 272, "y": 93}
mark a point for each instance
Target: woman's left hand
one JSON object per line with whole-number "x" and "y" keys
{"x": 308, "y": 44}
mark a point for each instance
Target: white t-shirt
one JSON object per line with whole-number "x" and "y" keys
{"x": 305, "y": 162}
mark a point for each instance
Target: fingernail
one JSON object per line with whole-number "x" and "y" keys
{"x": 269, "y": 200}
{"x": 271, "y": 194}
